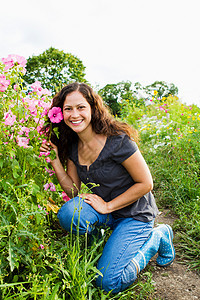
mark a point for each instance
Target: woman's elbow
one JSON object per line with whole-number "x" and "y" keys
{"x": 150, "y": 185}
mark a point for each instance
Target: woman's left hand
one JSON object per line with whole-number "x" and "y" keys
{"x": 96, "y": 202}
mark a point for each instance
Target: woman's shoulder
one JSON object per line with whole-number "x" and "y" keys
{"x": 122, "y": 146}
{"x": 118, "y": 140}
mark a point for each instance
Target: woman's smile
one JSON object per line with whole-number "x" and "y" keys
{"x": 77, "y": 112}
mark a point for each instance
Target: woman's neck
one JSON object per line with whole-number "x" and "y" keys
{"x": 87, "y": 136}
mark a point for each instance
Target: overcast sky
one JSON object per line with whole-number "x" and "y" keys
{"x": 117, "y": 40}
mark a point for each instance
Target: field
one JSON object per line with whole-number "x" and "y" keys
{"x": 38, "y": 259}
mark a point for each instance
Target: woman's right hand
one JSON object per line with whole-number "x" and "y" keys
{"x": 47, "y": 147}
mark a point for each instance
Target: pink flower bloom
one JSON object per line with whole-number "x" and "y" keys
{"x": 9, "y": 118}
{"x": 52, "y": 187}
{"x": 47, "y": 159}
{"x": 46, "y": 186}
{"x": 37, "y": 88}
{"x": 44, "y": 104}
{"x": 22, "y": 141}
{"x": 3, "y": 83}
{"x": 65, "y": 197}
{"x": 50, "y": 171}
{"x": 10, "y": 61}
{"x": 41, "y": 246}
{"x": 44, "y": 153}
{"x": 55, "y": 115}
{"x": 25, "y": 130}
{"x": 44, "y": 92}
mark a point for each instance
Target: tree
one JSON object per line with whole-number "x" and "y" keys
{"x": 163, "y": 89}
{"x": 54, "y": 69}
{"x": 113, "y": 94}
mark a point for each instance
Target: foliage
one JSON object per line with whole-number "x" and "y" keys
{"x": 113, "y": 94}
{"x": 161, "y": 89}
{"x": 170, "y": 134}
{"x": 54, "y": 69}
{"x": 38, "y": 259}
{"x": 121, "y": 97}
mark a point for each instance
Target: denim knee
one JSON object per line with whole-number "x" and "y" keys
{"x": 109, "y": 281}
{"x": 77, "y": 214}
{"x": 69, "y": 214}
{"x": 117, "y": 284}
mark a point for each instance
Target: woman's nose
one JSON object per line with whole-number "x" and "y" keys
{"x": 74, "y": 113}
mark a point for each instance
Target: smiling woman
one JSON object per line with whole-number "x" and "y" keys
{"x": 95, "y": 148}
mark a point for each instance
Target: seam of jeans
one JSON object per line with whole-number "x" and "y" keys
{"x": 122, "y": 252}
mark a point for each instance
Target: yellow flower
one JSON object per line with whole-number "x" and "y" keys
{"x": 53, "y": 207}
{"x": 193, "y": 118}
{"x": 155, "y": 93}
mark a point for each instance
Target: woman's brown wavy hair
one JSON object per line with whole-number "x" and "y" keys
{"x": 101, "y": 120}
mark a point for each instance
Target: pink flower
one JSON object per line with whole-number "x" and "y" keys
{"x": 55, "y": 115}
{"x": 52, "y": 187}
{"x": 44, "y": 153}
{"x": 10, "y": 61}
{"x": 25, "y": 130}
{"x": 37, "y": 88}
{"x": 3, "y": 83}
{"x": 51, "y": 172}
{"x": 41, "y": 246}
{"x": 9, "y": 118}
{"x": 46, "y": 186}
{"x": 22, "y": 141}
{"x": 65, "y": 197}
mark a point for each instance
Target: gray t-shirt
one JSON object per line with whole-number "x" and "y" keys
{"x": 113, "y": 179}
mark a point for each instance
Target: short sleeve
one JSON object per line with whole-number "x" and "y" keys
{"x": 124, "y": 148}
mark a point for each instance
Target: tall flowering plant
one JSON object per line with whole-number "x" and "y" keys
{"x": 27, "y": 181}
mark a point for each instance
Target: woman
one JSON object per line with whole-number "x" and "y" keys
{"x": 100, "y": 151}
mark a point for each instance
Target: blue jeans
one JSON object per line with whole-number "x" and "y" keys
{"x": 127, "y": 237}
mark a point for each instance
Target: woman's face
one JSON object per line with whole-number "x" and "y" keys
{"x": 77, "y": 112}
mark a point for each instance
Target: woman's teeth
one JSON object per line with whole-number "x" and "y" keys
{"x": 76, "y": 122}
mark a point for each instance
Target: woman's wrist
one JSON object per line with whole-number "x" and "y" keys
{"x": 56, "y": 162}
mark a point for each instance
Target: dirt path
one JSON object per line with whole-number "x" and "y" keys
{"x": 174, "y": 282}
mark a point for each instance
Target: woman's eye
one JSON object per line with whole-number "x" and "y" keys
{"x": 81, "y": 107}
{"x": 67, "y": 108}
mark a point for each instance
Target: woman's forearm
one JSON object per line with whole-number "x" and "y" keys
{"x": 64, "y": 179}
{"x": 130, "y": 196}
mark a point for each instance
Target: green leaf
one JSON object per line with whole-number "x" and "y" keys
{"x": 11, "y": 256}
{"x": 1, "y": 163}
